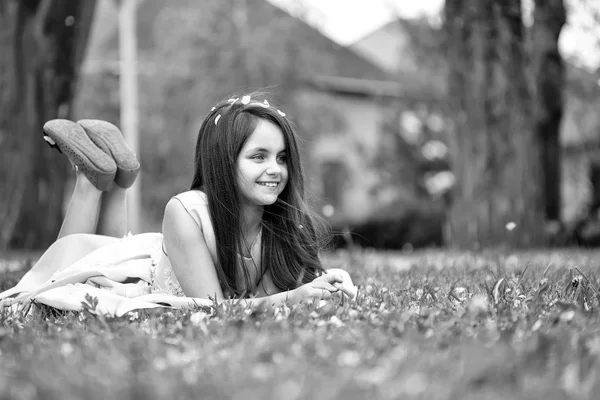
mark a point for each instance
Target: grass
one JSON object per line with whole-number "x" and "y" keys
{"x": 431, "y": 325}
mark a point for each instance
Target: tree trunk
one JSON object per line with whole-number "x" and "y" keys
{"x": 498, "y": 197}
{"x": 43, "y": 43}
{"x": 548, "y": 72}
{"x": 594, "y": 177}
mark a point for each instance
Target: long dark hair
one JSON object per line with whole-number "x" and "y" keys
{"x": 292, "y": 235}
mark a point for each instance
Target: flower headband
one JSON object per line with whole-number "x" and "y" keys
{"x": 245, "y": 101}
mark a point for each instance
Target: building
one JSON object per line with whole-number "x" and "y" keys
{"x": 192, "y": 53}
{"x": 390, "y": 48}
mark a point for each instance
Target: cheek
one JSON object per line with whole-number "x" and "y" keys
{"x": 245, "y": 171}
{"x": 245, "y": 183}
{"x": 243, "y": 180}
{"x": 285, "y": 174}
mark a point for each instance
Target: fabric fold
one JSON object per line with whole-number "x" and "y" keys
{"x": 119, "y": 275}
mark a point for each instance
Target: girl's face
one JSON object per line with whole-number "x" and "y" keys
{"x": 262, "y": 171}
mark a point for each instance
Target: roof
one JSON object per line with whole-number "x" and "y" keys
{"x": 358, "y": 87}
{"x": 581, "y": 120}
{"x": 373, "y": 88}
{"x": 405, "y": 45}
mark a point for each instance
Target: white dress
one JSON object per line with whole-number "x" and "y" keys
{"x": 135, "y": 269}
{"x": 163, "y": 278}
{"x": 196, "y": 205}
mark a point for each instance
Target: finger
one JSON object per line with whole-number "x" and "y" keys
{"x": 320, "y": 293}
{"x": 338, "y": 273}
{"x": 333, "y": 277}
{"x": 324, "y": 285}
{"x": 349, "y": 291}
{"x": 341, "y": 287}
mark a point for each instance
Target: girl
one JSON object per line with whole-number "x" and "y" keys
{"x": 243, "y": 230}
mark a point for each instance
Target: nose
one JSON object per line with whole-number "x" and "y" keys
{"x": 273, "y": 168}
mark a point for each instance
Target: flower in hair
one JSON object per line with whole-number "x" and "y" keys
{"x": 213, "y": 109}
{"x": 281, "y": 113}
{"x": 264, "y": 104}
{"x": 217, "y": 119}
{"x": 232, "y": 101}
{"x": 245, "y": 100}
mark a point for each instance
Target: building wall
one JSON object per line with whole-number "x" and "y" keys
{"x": 341, "y": 130}
{"x": 344, "y": 140}
{"x": 579, "y": 135}
{"x": 576, "y": 187}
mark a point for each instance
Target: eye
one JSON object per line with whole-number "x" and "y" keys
{"x": 282, "y": 159}
{"x": 258, "y": 157}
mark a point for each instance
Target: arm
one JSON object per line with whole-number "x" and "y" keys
{"x": 194, "y": 268}
{"x": 287, "y": 297}
{"x": 187, "y": 250}
{"x": 322, "y": 287}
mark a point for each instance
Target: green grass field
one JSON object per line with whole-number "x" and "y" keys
{"x": 432, "y": 325}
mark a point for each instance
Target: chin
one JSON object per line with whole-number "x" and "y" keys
{"x": 268, "y": 202}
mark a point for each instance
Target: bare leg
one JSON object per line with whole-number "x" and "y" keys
{"x": 113, "y": 212}
{"x": 82, "y": 213}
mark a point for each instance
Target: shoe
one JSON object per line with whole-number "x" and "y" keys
{"x": 71, "y": 140}
{"x": 110, "y": 139}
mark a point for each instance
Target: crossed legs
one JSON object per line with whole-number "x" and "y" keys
{"x": 94, "y": 211}
{"x": 105, "y": 167}
{"x": 94, "y": 218}
{"x": 97, "y": 214}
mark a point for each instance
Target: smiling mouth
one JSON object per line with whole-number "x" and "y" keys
{"x": 269, "y": 184}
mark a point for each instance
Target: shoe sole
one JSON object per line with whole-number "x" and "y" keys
{"x": 110, "y": 140}
{"x": 72, "y": 140}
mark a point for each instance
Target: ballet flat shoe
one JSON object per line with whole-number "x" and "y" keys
{"x": 71, "y": 140}
{"x": 110, "y": 140}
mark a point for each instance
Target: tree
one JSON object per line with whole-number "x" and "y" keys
{"x": 42, "y": 44}
{"x": 548, "y": 72}
{"x": 498, "y": 196}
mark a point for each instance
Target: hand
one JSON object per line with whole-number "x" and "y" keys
{"x": 341, "y": 280}
{"x": 317, "y": 289}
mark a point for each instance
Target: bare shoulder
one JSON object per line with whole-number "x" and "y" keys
{"x": 178, "y": 217}
{"x": 188, "y": 251}
{"x": 192, "y": 197}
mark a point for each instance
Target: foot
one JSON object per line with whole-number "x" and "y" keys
{"x": 71, "y": 140}
{"x": 109, "y": 138}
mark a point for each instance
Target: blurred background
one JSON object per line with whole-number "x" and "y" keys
{"x": 466, "y": 124}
